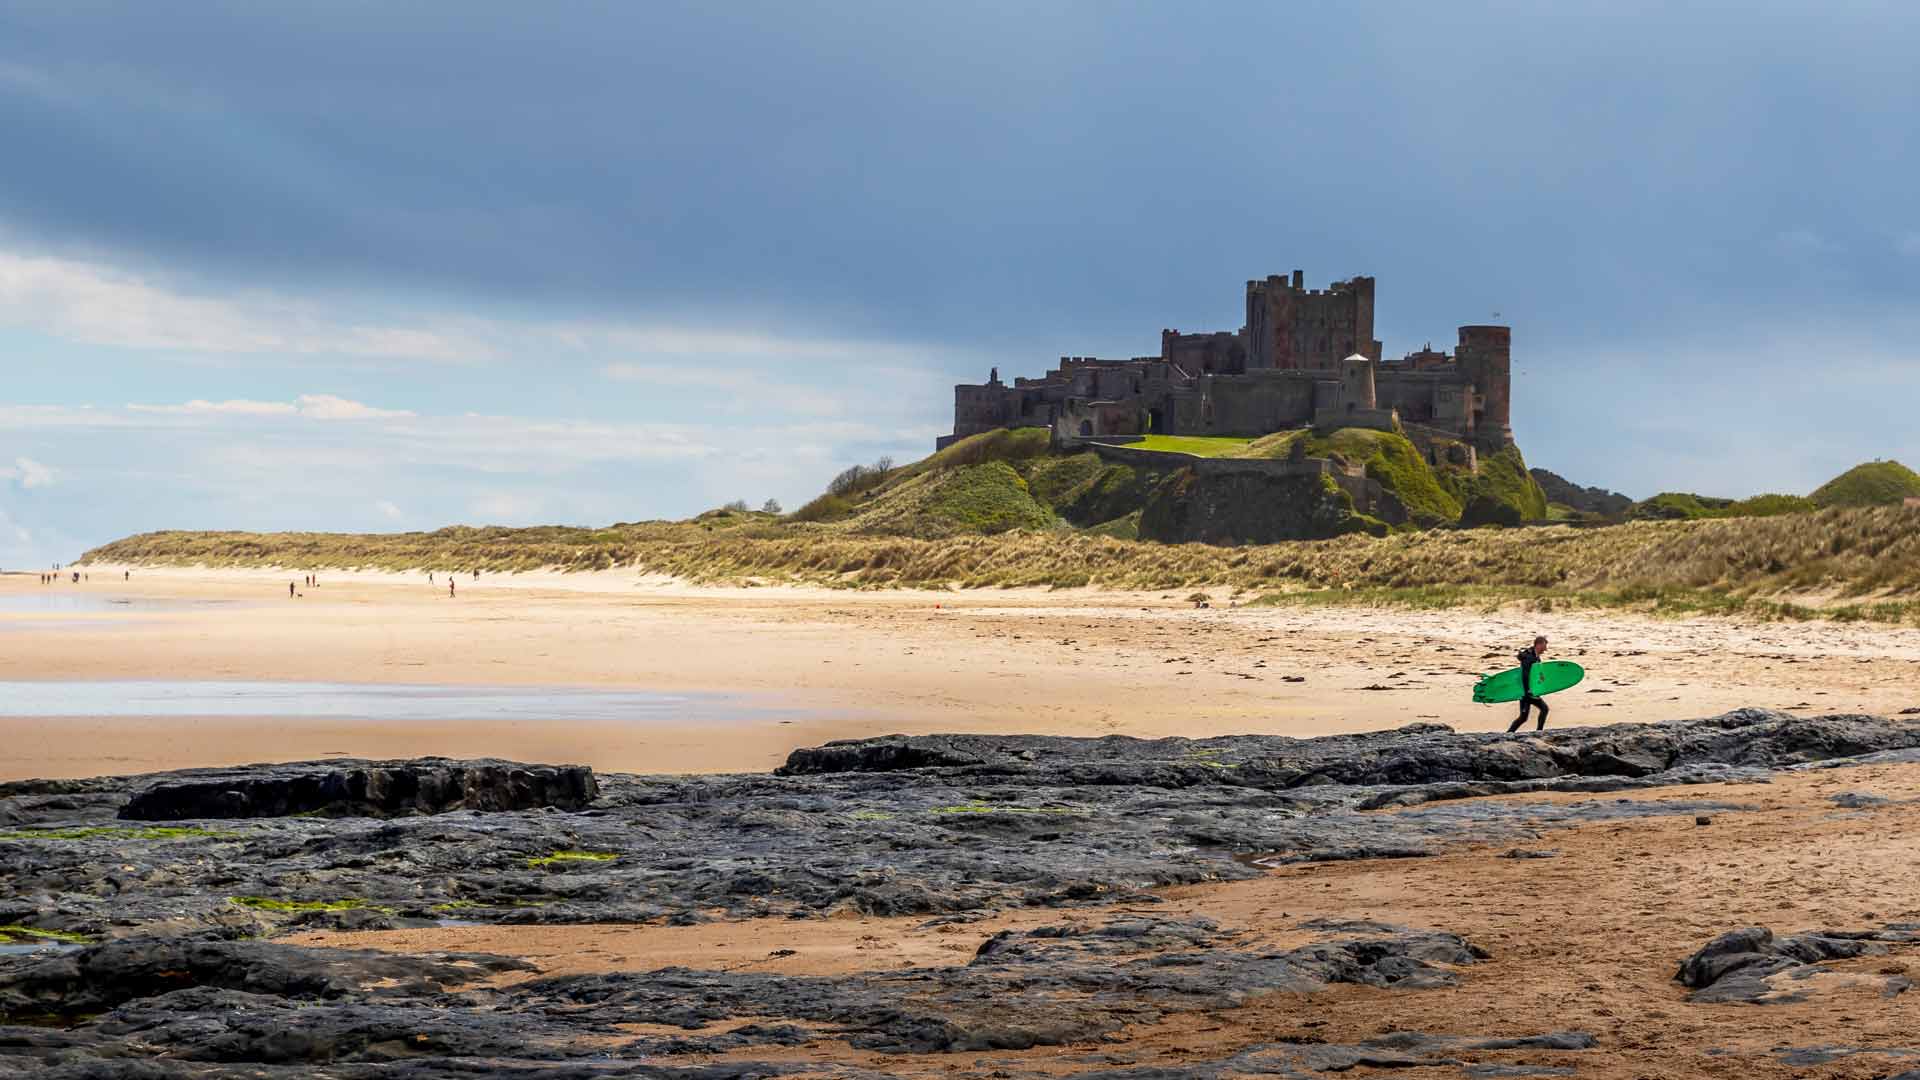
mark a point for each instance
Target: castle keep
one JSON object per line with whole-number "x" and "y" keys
{"x": 1306, "y": 357}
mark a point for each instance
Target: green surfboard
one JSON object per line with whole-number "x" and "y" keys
{"x": 1549, "y": 676}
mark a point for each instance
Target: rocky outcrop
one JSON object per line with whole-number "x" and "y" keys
{"x": 257, "y": 1002}
{"x": 933, "y": 825}
{"x": 1247, "y": 508}
{"x": 150, "y": 963}
{"x": 105, "y": 976}
{"x": 1752, "y": 965}
{"x": 352, "y": 788}
{"x": 1416, "y": 755}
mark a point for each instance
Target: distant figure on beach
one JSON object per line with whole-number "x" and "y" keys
{"x": 1528, "y": 658}
{"x": 449, "y": 586}
{"x": 76, "y": 577}
{"x": 289, "y": 590}
{"x": 126, "y": 575}
{"x": 429, "y": 577}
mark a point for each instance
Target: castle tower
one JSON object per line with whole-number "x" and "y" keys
{"x": 1485, "y": 356}
{"x": 1291, "y": 327}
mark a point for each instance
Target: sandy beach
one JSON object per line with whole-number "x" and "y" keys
{"x": 848, "y": 664}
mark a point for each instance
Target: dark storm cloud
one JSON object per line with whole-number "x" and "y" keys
{"x": 986, "y": 172}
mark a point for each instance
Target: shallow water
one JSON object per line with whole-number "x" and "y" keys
{"x": 32, "y": 947}
{"x": 70, "y": 602}
{"x": 369, "y": 701}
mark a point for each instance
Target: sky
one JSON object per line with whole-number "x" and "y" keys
{"x": 367, "y": 266}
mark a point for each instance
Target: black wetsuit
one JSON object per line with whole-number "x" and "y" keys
{"x": 1528, "y": 699}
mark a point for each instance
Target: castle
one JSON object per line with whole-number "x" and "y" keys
{"x": 1306, "y": 357}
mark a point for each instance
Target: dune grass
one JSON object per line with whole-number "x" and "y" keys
{"x": 1866, "y": 562}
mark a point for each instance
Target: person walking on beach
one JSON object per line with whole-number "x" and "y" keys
{"x": 449, "y": 586}
{"x": 1528, "y": 699}
{"x": 289, "y": 590}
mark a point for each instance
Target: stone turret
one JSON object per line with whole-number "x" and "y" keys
{"x": 1485, "y": 357}
{"x": 1354, "y": 400}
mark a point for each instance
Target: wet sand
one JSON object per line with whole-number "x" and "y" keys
{"x": 855, "y": 664}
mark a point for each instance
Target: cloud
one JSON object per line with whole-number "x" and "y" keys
{"x": 1804, "y": 241}
{"x": 311, "y": 406}
{"x": 504, "y": 507}
{"x": 222, "y": 408}
{"x": 98, "y": 304}
{"x": 1909, "y": 243}
{"x": 329, "y": 407}
{"x": 734, "y": 390}
{"x": 388, "y": 510}
{"x": 20, "y": 534}
{"x": 31, "y": 473}
{"x": 101, "y": 304}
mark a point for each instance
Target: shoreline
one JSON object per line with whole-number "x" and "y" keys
{"x": 864, "y": 663}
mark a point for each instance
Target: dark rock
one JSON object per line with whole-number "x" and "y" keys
{"x": 945, "y": 827}
{"x": 1738, "y": 965}
{"x": 1023, "y": 821}
{"x": 101, "y": 977}
{"x": 1755, "y": 737}
{"x": 351, "y": 788}
{"x": 278, "y": 1005}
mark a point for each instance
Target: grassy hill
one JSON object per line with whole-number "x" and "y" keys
{"x": 1004, "y": 480}
{"x": 1876, "y": 483}
{"x": 1685, "y": 506}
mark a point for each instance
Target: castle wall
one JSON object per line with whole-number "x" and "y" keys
{"x": 1220, "y": 353}
{"x": 980, "y": 408}
{"x": 1258, "y": 404}
{"x": 1440, "y": 397}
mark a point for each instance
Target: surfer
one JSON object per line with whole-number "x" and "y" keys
{"x": 1528, "y": 658}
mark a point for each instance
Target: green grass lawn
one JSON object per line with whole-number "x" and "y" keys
{"x": 1197, "y": 445}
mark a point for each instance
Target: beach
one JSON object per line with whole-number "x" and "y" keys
{"x": 768, "y": 669}
{"x": 990, "y": 904}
